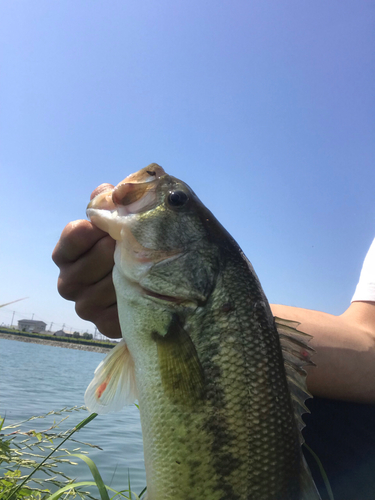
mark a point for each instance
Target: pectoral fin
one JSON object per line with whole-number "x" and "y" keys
{"x": 181, "y": 371}
{"x": 113, "y": 385}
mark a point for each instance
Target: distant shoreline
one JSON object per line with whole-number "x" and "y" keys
{"x": 55, "y": 343}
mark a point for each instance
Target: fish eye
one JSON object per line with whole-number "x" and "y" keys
{"x": 177, "y": 198}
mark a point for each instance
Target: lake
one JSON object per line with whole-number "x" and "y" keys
{"x": 35, "y": 379}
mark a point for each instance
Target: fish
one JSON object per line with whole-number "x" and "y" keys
{"x": 219, "y": 381}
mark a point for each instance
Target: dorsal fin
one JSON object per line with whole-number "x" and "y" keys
{"x": 113, "y": 385}
{"x": 297, "y": 354}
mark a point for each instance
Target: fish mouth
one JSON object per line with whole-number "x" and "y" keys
{"x": 135, "y": 194}
{"x": 181, "y": 301}
{"x": 166, "y": 298}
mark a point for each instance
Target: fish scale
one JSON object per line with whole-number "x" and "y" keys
{"x": 250, "y": 417}
{"x": 220, "y": 389}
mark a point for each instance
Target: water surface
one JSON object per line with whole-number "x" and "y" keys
{"x": 35, "y": 379}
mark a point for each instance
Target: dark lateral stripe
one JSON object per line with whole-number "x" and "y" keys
{"x": 224, "y": 462}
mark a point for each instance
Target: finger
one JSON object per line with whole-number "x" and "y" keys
{"x": 108, "y": 323}
{"x": 101, "y": 189}
{"x": 94, "y": 266}
{"x": 95, "y": 298}
{"x": 76, "y": 239}
{"x": 97, "y": 303}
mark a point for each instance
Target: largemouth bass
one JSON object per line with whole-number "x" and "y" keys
{"x": 221, "y": 389}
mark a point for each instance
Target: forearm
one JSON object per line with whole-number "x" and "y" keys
{"x": 345, "y": 350}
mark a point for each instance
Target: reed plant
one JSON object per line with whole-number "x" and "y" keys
{"x": 30, "y": 468}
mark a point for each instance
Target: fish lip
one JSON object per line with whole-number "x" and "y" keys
{"x": 127, "y": 198}
{"x": 147, "y": 174}
{"x": 130, "y": 198}
{"x": 102, "y": 201}
{"x": 134, "y": 187}
{"x": 130, "y": 191}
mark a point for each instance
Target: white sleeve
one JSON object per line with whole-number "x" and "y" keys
{"x": 366, "y": 286}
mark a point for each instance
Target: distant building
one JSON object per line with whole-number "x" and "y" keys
{"x": 61, "y": 333}
{"x": 31, "y": 325}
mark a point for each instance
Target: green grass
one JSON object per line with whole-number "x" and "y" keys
{"x": 70, "y": 340}
{"x": 30, "y": 467}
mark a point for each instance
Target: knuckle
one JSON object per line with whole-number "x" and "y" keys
{"x": 72, "y": 242}
{"x": 86, "y": 310}
{"x": 108, "y": 323}
{"x": 106, "y": 246}
{"x": 67, "y": 289}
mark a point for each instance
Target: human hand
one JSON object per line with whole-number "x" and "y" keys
{"x": 84, "y": 255}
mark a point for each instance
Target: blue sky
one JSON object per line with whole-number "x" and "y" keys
{"x": 267, "y": 109}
